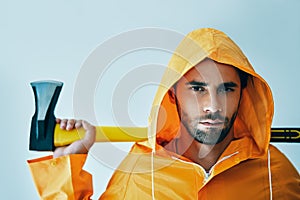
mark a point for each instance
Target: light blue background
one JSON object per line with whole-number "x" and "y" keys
{"x": 51, "y": 39}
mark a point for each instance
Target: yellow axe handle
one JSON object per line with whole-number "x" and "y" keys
{"x": 103, "y": 134}
{"x": 136, "y": 134}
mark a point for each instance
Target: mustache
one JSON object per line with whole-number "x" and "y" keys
{"x": 213, "y": 116}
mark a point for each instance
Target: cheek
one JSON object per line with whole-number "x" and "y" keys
{"x": 189, "y": 104}
{"x": 232, "y": 104}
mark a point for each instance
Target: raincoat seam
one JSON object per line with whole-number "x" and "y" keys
{"x": 71, "y": 175}
{"x": 129, "y": 179}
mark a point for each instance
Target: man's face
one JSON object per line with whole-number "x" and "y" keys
{"x": 208, "y": 99}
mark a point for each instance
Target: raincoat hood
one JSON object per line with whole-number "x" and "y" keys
{"x": 255, "y": 113}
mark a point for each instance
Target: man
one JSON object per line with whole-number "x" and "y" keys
{"x": 211, "y": 136}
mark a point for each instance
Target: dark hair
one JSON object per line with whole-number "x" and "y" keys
{"x": 243, "y": 77}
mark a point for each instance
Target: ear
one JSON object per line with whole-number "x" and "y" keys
{"x": 172, "y": 95}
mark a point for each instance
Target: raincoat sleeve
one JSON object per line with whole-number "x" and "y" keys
{"x": 62, "y": 177}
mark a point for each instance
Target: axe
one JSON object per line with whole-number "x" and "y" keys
{"x": 46, "y": 134}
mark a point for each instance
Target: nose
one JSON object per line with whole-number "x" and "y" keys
{"x": 212, "y": 104}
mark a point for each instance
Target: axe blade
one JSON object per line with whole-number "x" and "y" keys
{"x": 46, "y": 94}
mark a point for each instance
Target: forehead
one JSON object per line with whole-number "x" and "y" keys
{"x": 211, "y": 71}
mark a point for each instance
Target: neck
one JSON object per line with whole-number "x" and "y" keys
{"x": 202, "y": 154}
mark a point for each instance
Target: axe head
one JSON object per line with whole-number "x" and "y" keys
{"x": 43, "y": 122}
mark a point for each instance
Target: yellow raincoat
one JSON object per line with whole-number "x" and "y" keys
{"x": 249, "y": 168}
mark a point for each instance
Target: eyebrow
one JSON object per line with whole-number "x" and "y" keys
{"x": 202, "y": 84}
{"x": 197, "y": 83}
{"x": 230, "y": 84}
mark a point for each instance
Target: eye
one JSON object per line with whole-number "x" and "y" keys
{"x": 224, "y": 89}
{"x": 197, "y": 88}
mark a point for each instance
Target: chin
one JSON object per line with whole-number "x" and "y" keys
{"x": 209, "y": 137}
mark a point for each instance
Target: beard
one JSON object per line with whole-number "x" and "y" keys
{"x": 208, "y": 136}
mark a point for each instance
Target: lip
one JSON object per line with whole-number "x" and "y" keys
{"x": 212, "y": 123}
